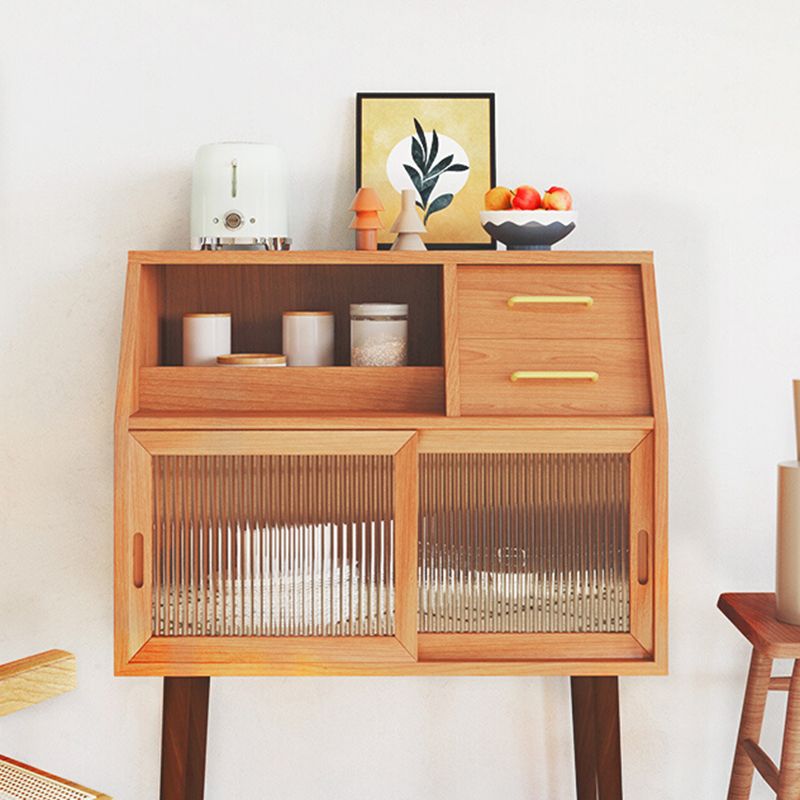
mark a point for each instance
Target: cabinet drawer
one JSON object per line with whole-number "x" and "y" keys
{"x": 515, "y": 377}
{"x": 550, "y": 303}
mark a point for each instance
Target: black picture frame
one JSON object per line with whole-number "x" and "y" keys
{"x": 490, "y": 96}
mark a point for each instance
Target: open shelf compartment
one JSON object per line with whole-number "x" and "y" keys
{"x": 256, "y": 295}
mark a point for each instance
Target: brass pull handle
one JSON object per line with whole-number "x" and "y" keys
{"x": 550, "y": 299}
{"x": 554, "y": 374}
{"x": 138, "y": 560}
{"x": 643, "y": 558}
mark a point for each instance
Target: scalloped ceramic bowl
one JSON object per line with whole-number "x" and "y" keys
{"x": 529, "y": 230}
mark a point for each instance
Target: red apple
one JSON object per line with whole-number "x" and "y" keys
{"x": 526, "y": 198}
{"x": 557, "y": 199}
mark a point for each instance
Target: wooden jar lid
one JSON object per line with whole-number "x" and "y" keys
{"x": 252, "y": 360}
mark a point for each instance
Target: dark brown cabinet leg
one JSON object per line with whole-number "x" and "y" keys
{"x": 584, "y": 737}
{"x": 595, "y": 730}
{"x": 183, "y": 738}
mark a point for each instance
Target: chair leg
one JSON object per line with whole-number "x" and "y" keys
{"x": 789, "y": 779}
{"x": 755, "y": 700}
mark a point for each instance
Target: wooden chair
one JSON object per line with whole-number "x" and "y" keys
{"x": 23, "y": 683}
{"x": 754, "y": 615}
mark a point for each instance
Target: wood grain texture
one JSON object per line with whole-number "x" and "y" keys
{"x": 133, "y": 499}
{"x": 325, "y": 390}
{"x": 753, "y": 613}
{"x": 641, "y": 516}
{"x": 596, "y": 737}
{"x": 186, "y": 656}
{"x": 609, "y": 752}
{"x": 177, "y": 420}
{"x": 499, "y": 257}
{"x": 450, "y": 336}
{"x": 267, "y": 652}
{"x": 33, "y": 679}
{"x": 406, "y": 516}
{"x": 305, "y": 443}
{"x": 622, "y": 389}
{"x": 525, "y": 441}
{"x": 763, "y": 763}
{"x": 464, "y": 647}
{"x": 184, "y": 737}
{"x": 57, "y": 778}
{"x": 584, "y": 738}
{"x": 660, "y": 464}
{"x": 161, "y": 283}
{"x": 257, "y": 298}
{"x": 789, "y": 775}
{"x": 616, "y": 311}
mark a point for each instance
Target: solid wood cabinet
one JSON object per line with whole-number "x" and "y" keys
{"x": 496, "y": 507}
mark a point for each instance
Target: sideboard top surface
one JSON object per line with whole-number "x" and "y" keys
{"x": 482, "y": 257}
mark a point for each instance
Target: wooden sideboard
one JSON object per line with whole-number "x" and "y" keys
{"x": 497, "y": 507}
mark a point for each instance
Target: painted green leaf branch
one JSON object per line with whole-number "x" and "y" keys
{"x": 426, "y": 171}
{"x": 442, "y": 201}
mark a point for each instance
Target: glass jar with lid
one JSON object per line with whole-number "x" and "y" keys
{"x": 379, "y": 334}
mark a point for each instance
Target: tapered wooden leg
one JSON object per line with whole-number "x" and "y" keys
{"x": 755, "y": 700}
{"x": 583, "y": 734}
{"x": 789, "y": 780}
{"x": 595, "y": 730}
{"x": 183, "y": 738}
{"x": 609, "y": 752}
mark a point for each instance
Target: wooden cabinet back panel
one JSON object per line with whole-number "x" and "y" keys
{"x": 616, "y": 310}
{"x": 622, "y": 386}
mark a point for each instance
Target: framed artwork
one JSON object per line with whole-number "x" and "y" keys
{"x": 440, "y": 145}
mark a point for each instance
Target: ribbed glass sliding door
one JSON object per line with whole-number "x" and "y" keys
{"x": 516, "y": 542}
{"x": 274, "y": 545}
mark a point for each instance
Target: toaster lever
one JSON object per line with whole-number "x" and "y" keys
{"x": 234, "y": 178}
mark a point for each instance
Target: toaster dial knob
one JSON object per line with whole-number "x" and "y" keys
{"x": 233, "y": 220}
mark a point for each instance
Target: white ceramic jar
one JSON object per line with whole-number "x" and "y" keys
{"x": 379, "y": 334}
{"x": 252, "y": 360}
{"x": 205, "y": 336}
{"x": 308, "y": 338}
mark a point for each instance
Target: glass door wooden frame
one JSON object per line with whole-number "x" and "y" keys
{"x": 138, "y": 651}
{"x": 638, "y": 644}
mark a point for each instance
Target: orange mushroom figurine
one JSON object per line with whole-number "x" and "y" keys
{"x": 366, "y": 222}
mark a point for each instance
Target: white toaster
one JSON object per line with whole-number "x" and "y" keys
{"x": 239, "y": 197}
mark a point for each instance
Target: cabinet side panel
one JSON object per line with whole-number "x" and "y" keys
{"x": 644, "y": 540}
{"x": 660, "y": 466}
{"x": 134, "y": 504}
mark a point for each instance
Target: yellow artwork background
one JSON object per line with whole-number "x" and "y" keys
{"x": 385, "y": 121}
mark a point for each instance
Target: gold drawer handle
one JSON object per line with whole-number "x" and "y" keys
{"x": 560, "y": 375}
{"x": 551, "y": 299}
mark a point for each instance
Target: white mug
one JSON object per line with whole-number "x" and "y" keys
{"x": 205, "y": 336}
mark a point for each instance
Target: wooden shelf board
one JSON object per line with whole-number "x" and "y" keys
{"x": 489, "y": 257}
{"x": 422, "y": 668}
{"x": 178, "y": 420}
{"x": 313, "y": 389}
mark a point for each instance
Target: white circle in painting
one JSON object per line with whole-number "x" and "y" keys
{"x": 449, "y": 182}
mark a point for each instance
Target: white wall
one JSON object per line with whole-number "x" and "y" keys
{"x": 676, "y": 126}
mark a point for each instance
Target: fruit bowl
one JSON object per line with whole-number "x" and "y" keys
{"x": 528, "y": 230}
